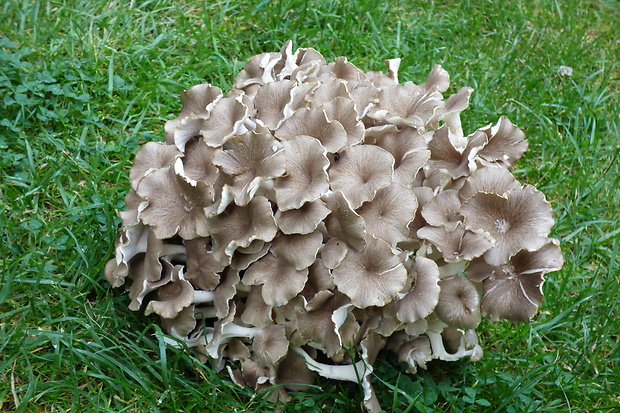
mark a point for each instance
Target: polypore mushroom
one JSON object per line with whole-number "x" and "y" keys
{"x": 492, "y": 180}
{"x": 421, "y": 300}
{"x": 520, "y": 219}
{"x": 197, "y": 102}
{"x": 280, "y": 280}
{"x": 406, "y": 105}
{"x": 513, "y": 291}
{"x": 315, "y": 123}
{"x": 249, "y": 160}
{"x": 360, "y": 171}
{"x": 315, "y": 213}
{"x": 388, "y": 215}
{"x": 372, "y": 276}
{"x": 302, "y": 220}
{"x": 306, "y": 177}
{"x": 506, "y": 144}
{"x": 407, "y": 146}
{"x": 459, "y": 303}
{"x": 238, "y": 226}
{"x": 174, "y": 205}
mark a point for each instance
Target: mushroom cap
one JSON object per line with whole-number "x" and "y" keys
{"x": 407, "y": 146}
{"x": 197, "y": 102}
{"x": 438, "y": 79}
{"x": 343, "y": 222}
{"x": 452, "y": 338}
{"x": 343, "y": 110}
{"x": 302, "y": 220}
{"x": 129, "y": 243}
{"x": 319, "y": 279}
{"x": 360, "y": 171}
{"x": 315, "y": 123}
{"x": 280, "y": 280}
{"x": 416, "y": 353}
{"x": 520, "y": 219}
{"x": 506, "y": 144}
{"x": 182, "y": 325}
{"x": 459, "y": 303}
{"x": 388, "y": 215}
{"x": 226, "y": 119}
{"x": 270, "y": 344}
{"x": 317, "y": 322}
{"x": 151, "y": 157}
{"x": 238, "y": 226}
{"x": 202, "y": 269}
{"x": 421, "y": 300}
{"x": 244, "y": 257}
{"x": 510, "y": 298}
{"x": 299, "y": 250}
{"x": 271, "y": 101}
{"x": 248, "y": 160}
{"x": 133, "y": 204}
{"x": 305, "y": 179}
{"x": 147, "y": 275}
{"x": 225, "y": 292}
{"x": 197, "y": 163}
{"x": 513, "y": 291}
{"x": 443, "y": 210}
{"x": 372, "y": 276}
{"x": 451, "y": 110}
{"x": 172, "y": 297}
{"x": 174, "y": 205}
{"x": 457, "y": 245}
{"x": 294, "y": 374}
{"x": 446, "y": 156}
{"x": 333, "y": 252}
{"x": 327, "y": 91}
{"x": 494, "y": 180}
{"x": 406, "y": 105}
{"x": 257, "y": 312}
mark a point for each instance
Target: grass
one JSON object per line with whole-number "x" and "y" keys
{"x": 84, "y": 83}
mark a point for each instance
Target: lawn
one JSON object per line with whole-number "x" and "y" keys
{"x": 84, "y": 83}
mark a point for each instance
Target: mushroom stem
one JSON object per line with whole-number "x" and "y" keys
{"x": 439, "y": 351}
{"x": 249, "y": 124}
{"x": 203, "y": 297}
{"x": 349, "y": 372}
{"x": 228, "y": 331}
{"x": 173, "y": 249}
{"x": 205, "y": 312}
{"x": 451, "y": 268}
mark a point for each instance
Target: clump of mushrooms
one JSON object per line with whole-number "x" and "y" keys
{"x": 316, "y": 214}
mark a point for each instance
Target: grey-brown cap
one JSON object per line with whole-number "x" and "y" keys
{"x": 459, "y": 303}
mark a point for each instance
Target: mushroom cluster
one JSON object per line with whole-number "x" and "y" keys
{"x": 316, "y": 214}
